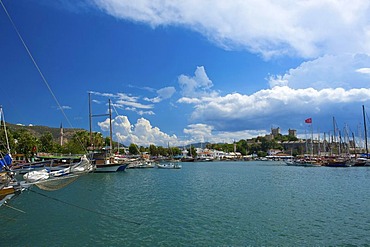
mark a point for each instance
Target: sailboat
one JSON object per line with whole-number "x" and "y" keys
{"x": 44, "y": 179}
{"x": 337, "y": 160}
{"x": 47, "y": 179}
{"x": 105, "y": 161}
{"x": 363, "y": 160}
{"x": 9, "y": 186}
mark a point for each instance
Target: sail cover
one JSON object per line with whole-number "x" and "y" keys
{"x": 6, "y": 161}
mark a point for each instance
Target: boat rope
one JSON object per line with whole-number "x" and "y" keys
{"x": 7, "y": 218}
{"x": 38, "y": 68}
{"x": 16, "y": 209}
{"x": 87, "y": 209}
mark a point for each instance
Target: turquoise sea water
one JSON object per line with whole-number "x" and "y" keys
{"x": 202, "y": 204}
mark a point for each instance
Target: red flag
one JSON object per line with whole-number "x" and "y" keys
{"x": 308, "y": 120}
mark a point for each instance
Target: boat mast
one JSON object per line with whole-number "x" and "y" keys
{"x": 335, "y": 136}
{"x": 363, "y": 113}
{"x": 110, "y": 124}
{"x": 311, "y": 141}
{"x": 110, "y": 128}
{"x": 354, "y": 144}
{"x": 90, "y": 116}
{"x": 6, "y": 133}
{"x": 324, "y": 143}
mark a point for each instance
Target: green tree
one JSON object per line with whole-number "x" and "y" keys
{"x": 107, "y": 141}
{"x": 254, "y": 148}
{"x": 153, "y": 150}
{"x": 78, "y": 143}
{"x": 98, "y": 140}
{"x": 72, "y": 147}
{"x": 46, "y": 143}
{"x": 142, "y": 149}
{"x": 82, "y": 138}
{"x": 4, "y": 141}
{"x": 133, "y": 149}
{"x": 174, "y": 151}
{"x": 242, "y": 146}
{"x": 162, "y": 151}
{"x": 192, "y": 151}
{"x": 26, "y": 143}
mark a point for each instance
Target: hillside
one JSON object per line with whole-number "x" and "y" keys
{"x": 40, "y": 130}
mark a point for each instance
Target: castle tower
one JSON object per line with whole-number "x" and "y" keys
{"x": 292, "y": 132}
{"x": 275, "y": 131}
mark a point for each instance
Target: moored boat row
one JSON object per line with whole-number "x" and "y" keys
{"x": 329, "y": 162}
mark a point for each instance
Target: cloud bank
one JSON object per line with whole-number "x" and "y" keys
{"x": 332, "y": 36}
{"x": 271, "y": 28}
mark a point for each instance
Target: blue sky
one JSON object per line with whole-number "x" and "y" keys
{"x": 187, "y": 71}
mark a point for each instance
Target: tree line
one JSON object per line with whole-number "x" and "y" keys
{"x": 23, "y": 141}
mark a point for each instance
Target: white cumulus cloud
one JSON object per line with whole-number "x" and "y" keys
{"x": 259, "y": 110}
{"x": 271, "y": 28}
{"x": 140, "y": 133}
{"x": 163, "y": 93}
{"x": 329, "y": 71}
{"x": 197, "y": 85}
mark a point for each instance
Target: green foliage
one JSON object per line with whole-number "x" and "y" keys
{"x": 285, "y": 138}
{"x": 193, "y": 151}
{"x": 25, "y": 143}
{"x": 174, "y": 151}
{"x": 133, "y": 149}
{"x": 98, "y": 140}
{"x": 261, "y": 154}
{"x": 142, "y": 149}
{"x": 46, "y": 142}
{"x": 107, "y": 141}
{"x": 153, "y": 150}
{"x": 162, "y": 151}
{"x": 73, "y": 147}
{"x": 3, "y": 141}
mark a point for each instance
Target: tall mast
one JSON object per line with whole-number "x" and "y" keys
{"x": 311, "y": 140}
{"x": 363, "y": 113}
{"x": 110, "y": 123}
{"x": 90, "y": 116}
{"x": 354, "y": 144}
{"x": 6, "y": 133}
{"x": 110, "y": 127}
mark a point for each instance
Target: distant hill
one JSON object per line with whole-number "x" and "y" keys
{"x": 40, "y": 130}
{"x": 197, "y": 145}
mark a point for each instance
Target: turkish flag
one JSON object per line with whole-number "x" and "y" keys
{"x": 308, "y": 120}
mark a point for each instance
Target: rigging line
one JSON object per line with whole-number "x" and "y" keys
{"x": 16, "y": 209}
{"x": 2, "y": 117}
{"x": 86, "y": 209}
{"x": 115, "y": 110}
{"x": 7, "y": 218}
{"x": 37, "y": 67}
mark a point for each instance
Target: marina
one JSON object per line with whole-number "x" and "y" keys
{"x": 207, "y": 81}
{"x": 254, "y": 203}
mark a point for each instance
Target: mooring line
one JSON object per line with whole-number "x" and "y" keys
{"x": 16, "y": 209}
{"x": 86, "y": 209}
